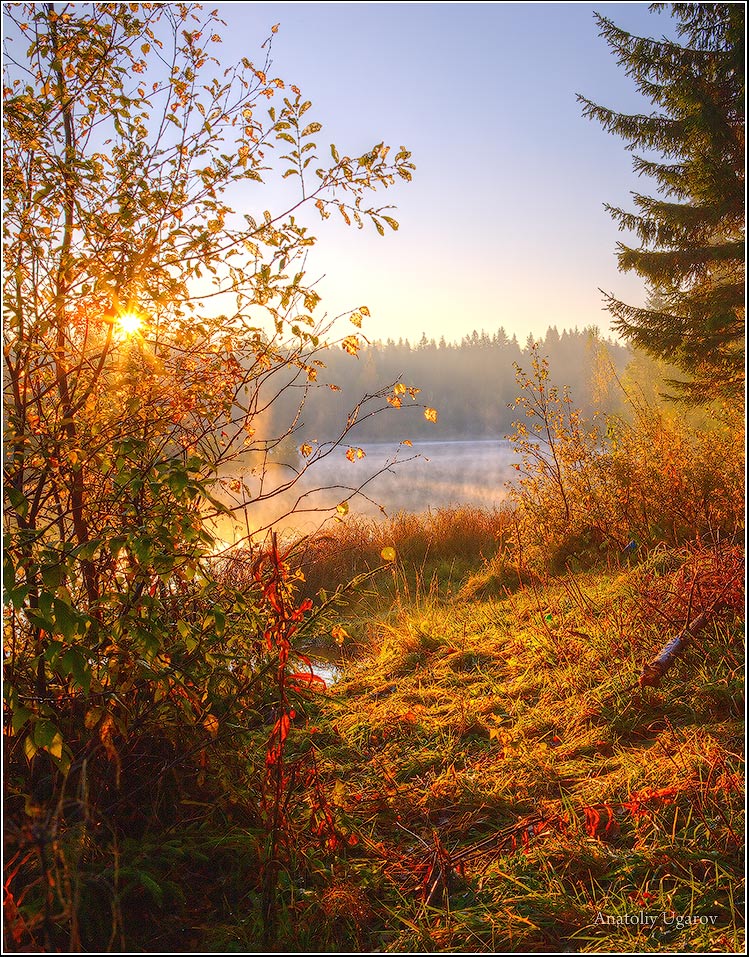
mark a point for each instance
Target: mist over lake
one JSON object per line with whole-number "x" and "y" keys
{"x": 438, "y": 473}
{"x": 428, "y": 475}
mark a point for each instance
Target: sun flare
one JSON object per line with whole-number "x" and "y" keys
{"x": 129, "y": 323}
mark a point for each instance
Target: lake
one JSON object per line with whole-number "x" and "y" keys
{"x": 429, "y": 475}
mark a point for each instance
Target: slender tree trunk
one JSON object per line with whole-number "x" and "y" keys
{"x": 64, "y": 276}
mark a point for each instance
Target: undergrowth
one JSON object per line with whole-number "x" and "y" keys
{"x": 513, "y": 788}
{"x": 487, "y": 775}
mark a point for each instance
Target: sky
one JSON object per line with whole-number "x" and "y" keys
{"x": 503, "y": 224}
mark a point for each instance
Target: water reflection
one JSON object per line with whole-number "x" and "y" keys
{"x": 326, "y": 664}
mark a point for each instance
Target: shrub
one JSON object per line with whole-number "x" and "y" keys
{"x": 588, "y": 490}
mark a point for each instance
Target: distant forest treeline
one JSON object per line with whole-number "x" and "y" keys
{"x": 471, "y": 384}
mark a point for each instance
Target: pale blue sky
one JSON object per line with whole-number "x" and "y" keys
{"x": 503, "y": 223}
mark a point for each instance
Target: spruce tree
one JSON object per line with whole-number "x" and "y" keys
{"x": 692, "y": 234}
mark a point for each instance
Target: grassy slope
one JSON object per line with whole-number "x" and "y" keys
{"x": 511, "y": 787}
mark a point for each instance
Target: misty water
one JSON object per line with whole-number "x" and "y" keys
{"x": 392, "y": 478}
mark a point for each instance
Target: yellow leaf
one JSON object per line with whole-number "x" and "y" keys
{"x": 55, "y": 748}
{"x": 351, "y": 345}
{"x": 430, "y": 415}
{"x": 29, "y": 748}
{"x": 356, "y": 320}
{"x": 92, "y": 718}
{"x": 210, "y": 723}
{"x": 388, "y": 554}
{"x": 305, "y": 449}
{"x": 339, "y": 634}
{"x": 342, "y": 509}
{"x": 407, "y": 442}
{"x": 399, "y": 388}
{"x": 364, "y": 310}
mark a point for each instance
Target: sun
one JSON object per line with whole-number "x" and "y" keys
{"x": 129, "y": 323}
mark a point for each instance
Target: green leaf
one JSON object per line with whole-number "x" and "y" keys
{"x": 20, "y": 717}
{"x": 17, "y": 596}
{"x": 87, "y": 551}
{"x": 17, "y": 500}
{"x": 55, "y": 746}
{"x": 52, "y": 575}
{"x": 220, "y": 619}
{"x": 66, "y": 620}
{"x": 141, "y": 547}
{"x": 152, "y": 887}
{"x": 178, "y": 482}
{"x": 53, "y": 650}
{"x": 75, "y": 663}
{"x": 47, "y": 735}
{"x": 9, "y": 568}
{"x": 116, "y": 545}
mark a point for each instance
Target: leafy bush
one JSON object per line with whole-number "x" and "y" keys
{"x": 146, "y": 685}
{"x": 588, "y": 490}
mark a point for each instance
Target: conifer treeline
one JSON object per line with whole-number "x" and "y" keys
{"x": 471, "y": 383}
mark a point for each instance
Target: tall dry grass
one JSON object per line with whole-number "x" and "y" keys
{"x": 434, "y": 550}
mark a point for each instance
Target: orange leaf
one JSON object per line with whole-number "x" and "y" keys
{"x": 339, "y": 634}
{"x": 210, "y": 723}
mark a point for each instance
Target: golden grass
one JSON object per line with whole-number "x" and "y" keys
{"x": 508, "y": 780}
